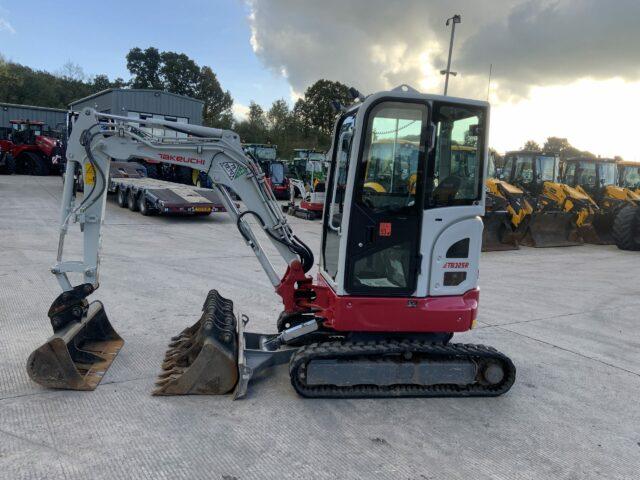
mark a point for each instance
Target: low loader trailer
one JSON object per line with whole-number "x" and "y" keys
{"x": 151, "y": 196}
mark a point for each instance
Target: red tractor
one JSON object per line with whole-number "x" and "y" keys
{"x": 28, "y": 151}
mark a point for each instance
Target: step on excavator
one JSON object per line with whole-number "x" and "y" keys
{"x": 626, "y": 226}
{"x": 507, "y": 214}
{"x": 599, "y": 179}
{"x": 398, "y": 271}
{"x": 562, "y": 215}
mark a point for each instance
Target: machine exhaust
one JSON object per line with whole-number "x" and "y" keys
{"x": 79, "y": 353}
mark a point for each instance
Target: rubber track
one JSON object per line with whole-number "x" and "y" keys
{"x": 479, "y": 354}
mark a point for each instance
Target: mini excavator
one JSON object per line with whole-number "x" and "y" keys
{"x": 398, "y": 270}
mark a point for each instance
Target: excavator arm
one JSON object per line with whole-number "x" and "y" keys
{"x": 96, "y": 138}
{"x": 84, "y": 343}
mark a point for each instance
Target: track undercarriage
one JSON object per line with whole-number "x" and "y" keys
{"x": 216, "y": 356}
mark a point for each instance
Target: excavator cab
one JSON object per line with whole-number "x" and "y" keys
{"x": 630, "y": 176}
{"x": 399, "y": 265}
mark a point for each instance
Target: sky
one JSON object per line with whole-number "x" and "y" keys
{"x": 568, "y": 68}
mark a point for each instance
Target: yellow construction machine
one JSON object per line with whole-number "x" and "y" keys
{"x": 507, "y": 214}
{"x": 629, "y": 176}
{"x": 599, "y": 179}
{"x": 561, "y": 215}
{"x": 626, "y": 225}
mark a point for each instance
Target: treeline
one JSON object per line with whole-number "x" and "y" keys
{"x": 558, "y": 146}
{"x": 307, "y": 125}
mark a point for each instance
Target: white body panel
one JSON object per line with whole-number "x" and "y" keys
{"x": 456, "y": 221}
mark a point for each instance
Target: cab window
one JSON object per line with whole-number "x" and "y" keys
{"x": 455, "y": 164}
{"x": 391, "y": 152}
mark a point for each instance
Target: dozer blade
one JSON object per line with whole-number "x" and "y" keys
{"x": 552, "y": 229}
{"x": 497, "y": 234}
{"x": 77, "y": 356}
{"x": 203, "y": 359}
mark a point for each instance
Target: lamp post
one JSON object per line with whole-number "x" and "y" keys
{"x": 453, "y": 20}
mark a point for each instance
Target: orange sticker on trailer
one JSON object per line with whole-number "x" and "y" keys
{"x": 385, "y": 229}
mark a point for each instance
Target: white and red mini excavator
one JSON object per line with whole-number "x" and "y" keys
{"x": 398, "y": 269}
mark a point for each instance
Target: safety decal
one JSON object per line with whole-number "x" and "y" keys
{"x": 384, "y": 229}
{"x": 233, "y": 170}
{"x": 89, "y": 174}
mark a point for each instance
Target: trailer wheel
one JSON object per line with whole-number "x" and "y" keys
{"x": 31, "y": 163}
{"x": 143, "y": 206}
{"x": 132, "y": 201}
{"x": 626, "y": 228}
{"x": 121, "y": 197}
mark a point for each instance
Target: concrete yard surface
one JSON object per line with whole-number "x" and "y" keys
{"x": 568, "y": 317}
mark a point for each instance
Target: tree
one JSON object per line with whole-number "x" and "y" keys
{"x": 531, "y": 145}
{"x": 145, "y": 68}
{"x": 278, "y": 116}
{"x": 562, "y": 147}
{"x": 217, "y": 103}
{"x": 72, "y": 71}
{"x": 102, "y": 82}
{"x": 179, "y": 74}
{"x": 316, "y": 109}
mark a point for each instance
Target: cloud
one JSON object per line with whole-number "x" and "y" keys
{"x": 375, "y": 44}
{"x": 5, "y": 26}
{"x": 239, "y": 111}
{"x": 556, "y": 42}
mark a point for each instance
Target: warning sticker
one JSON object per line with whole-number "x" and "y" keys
{"x": 385, "y": 229}
{"x": 233, "y": 170}
{"x": 89, "y": 174}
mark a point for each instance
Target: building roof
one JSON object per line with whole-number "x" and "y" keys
{"x": 31, "y": 107}
{"x": 109, "y": 90}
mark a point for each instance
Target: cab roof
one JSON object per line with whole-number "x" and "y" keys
{"x": 590, "y": 159}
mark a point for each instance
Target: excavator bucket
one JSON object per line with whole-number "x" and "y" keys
{"x": 77, "y": 356}
{"x": 552, "y": 229}
{"x": 497, "y": 234}
{"x": 203, "y": 358}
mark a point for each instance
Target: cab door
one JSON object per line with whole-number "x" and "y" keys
{"x": 383, "y": 244}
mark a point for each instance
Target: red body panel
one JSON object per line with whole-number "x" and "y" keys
{"x": 44, "y": 145}
{"x": 376, "y": 314}
{"x": 314, "y": 207}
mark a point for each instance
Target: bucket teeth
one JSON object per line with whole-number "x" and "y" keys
{"x": 202, "y": 359}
